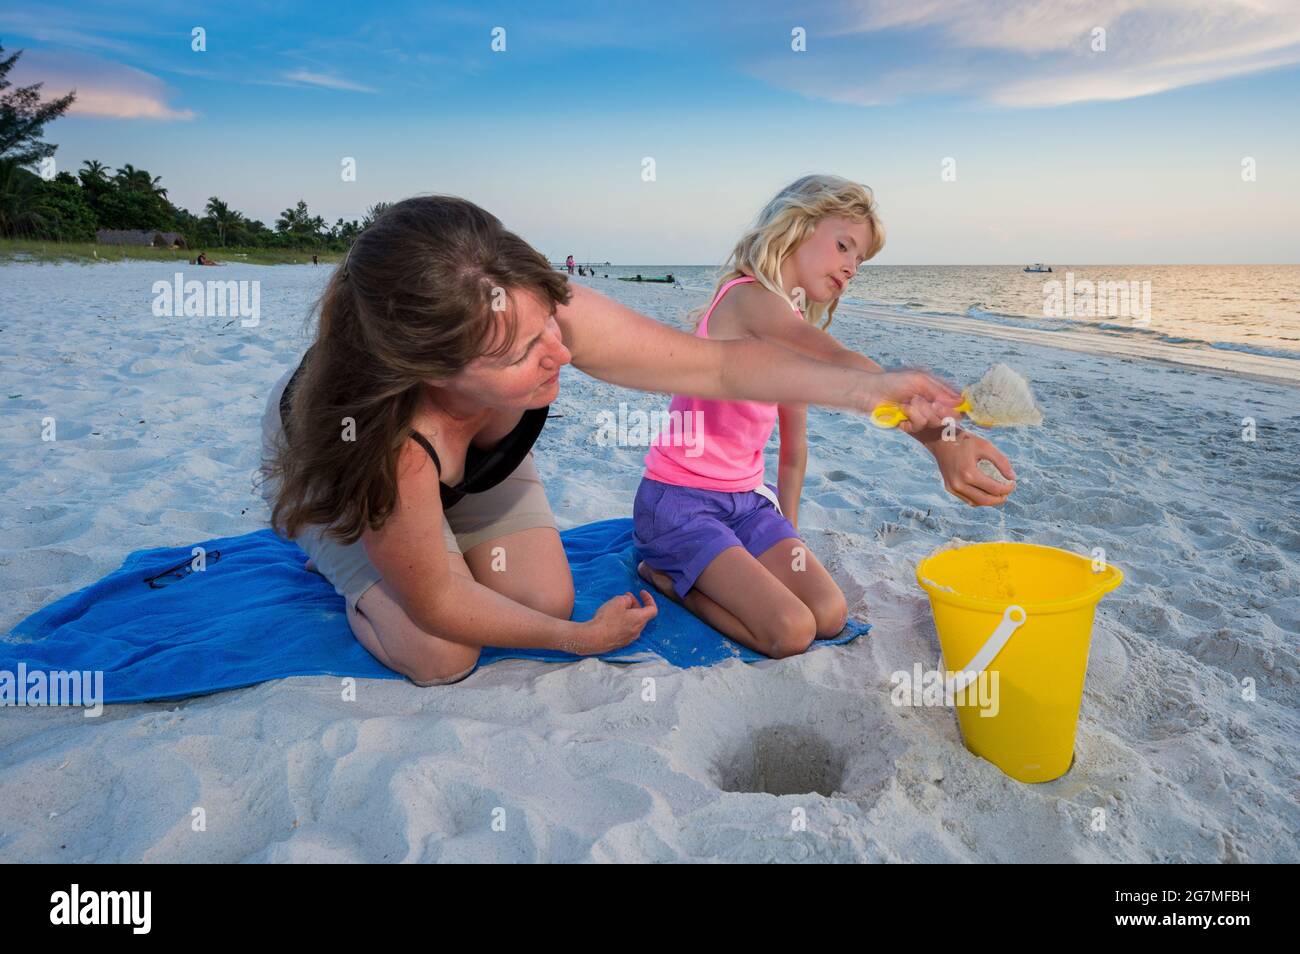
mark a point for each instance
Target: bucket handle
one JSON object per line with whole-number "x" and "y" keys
{"x": 992, "y": 646}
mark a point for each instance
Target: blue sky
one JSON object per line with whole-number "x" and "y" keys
{"x": 1063, "y": 152}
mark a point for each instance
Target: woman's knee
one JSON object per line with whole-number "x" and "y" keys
{"x": 550, "y": 594}
{"x": 539, "y": 575}
{"x": 553, "y": 600}
{"x": 441, "y": 671}
{"x": 390, "y": 636}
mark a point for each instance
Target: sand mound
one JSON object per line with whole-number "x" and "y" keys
{"x": 1002, "y": 399}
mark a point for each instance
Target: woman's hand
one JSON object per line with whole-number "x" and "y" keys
{"x": 959, "y": 464}
{"x": 925, "y": 399}
{"x": 615, "y": 624}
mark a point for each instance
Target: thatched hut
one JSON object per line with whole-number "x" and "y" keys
{"x": 140, "y": 237}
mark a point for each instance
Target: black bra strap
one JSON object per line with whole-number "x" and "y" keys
{"x": 424, "y": 442}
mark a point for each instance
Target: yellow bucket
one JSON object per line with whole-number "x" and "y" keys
{"x": 1017, "y": 619}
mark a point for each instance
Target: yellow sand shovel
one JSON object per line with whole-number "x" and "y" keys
{"x": 1001, "y": 398}
{"x": 888, "y": 414}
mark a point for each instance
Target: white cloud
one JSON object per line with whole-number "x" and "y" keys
{"x": 1029, "y": 53}
{"x": 329, "y": 82}
{"x": 58, "y": 26}
{"x": 105, "y": 89}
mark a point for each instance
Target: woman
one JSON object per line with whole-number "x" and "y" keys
{"x": 438, "y": 350}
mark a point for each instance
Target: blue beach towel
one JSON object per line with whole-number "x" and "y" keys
{"x": 255, "y": 614}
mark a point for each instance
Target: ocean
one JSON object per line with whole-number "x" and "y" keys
{"x": 1252, "y": 308}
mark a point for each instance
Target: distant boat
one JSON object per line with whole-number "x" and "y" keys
{"x": 666, "y": 280}
{"x": 1038, "y": 267}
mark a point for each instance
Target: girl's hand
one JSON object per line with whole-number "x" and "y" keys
{"x": 924, "y": 398}
{"x": 618, "y": 622}
{"x": 959, "y": 465}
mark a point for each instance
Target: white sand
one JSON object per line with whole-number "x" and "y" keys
{"x": 158, "y": 441}
{"x": 991, "y": 469}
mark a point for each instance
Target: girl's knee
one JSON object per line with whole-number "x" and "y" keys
{"x": 831, "y": 614}
{"x": 790, "y": 631}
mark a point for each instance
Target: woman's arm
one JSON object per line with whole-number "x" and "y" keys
{"x": 614, "y": 343}
{"x": 764, "y": 315}
{"x": 758, "y": 312}
{"x": 792, "y": 463}
{"x": 411, "y": 557}
{"x": 958, "y": 457}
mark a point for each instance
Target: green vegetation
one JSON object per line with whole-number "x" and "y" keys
{"x": 47, "y": 250}
{"x": 51, "y": 216}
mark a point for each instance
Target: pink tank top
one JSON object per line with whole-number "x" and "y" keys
{"x": 712, "y": 445}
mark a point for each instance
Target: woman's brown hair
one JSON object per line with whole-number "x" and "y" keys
{"x": 414, "y": 300}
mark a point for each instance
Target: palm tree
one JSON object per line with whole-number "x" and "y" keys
{"x": 300, "y": 223}
{"x": 291, "y": 220}
{"x": 21, "y": 204}
{"x": 223, "y": 217}
{"x": 93, "y": 171}
{"x": 374, "y": 212}
{"x": 345, "y": 232}
{"x": 128, "y": 177}
{"x": 139, "y": 180}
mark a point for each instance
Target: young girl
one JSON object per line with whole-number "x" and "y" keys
{"x": 712, "y": 535}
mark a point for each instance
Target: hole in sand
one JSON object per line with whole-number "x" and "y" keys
{"x": 782, "y": 760}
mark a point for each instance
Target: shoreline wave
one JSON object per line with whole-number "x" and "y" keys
{"x": 1095, "y": 326}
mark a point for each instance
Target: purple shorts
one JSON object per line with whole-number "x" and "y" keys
{"x": 680, "y": 530}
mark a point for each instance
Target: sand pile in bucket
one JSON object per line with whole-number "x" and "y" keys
{"x": 994, "y": 577}
{"x": 1002, "y": 399}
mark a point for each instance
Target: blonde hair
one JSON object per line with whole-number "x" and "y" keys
{"x": 787, "y": 221}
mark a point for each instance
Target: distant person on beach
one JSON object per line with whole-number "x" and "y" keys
{"x": 715, "y": 537}
{"x": 315, "y": 260}
{"x": 204, "y": 260}
{"x": 398, "y": 452}
{"x": 569, "y": 263}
